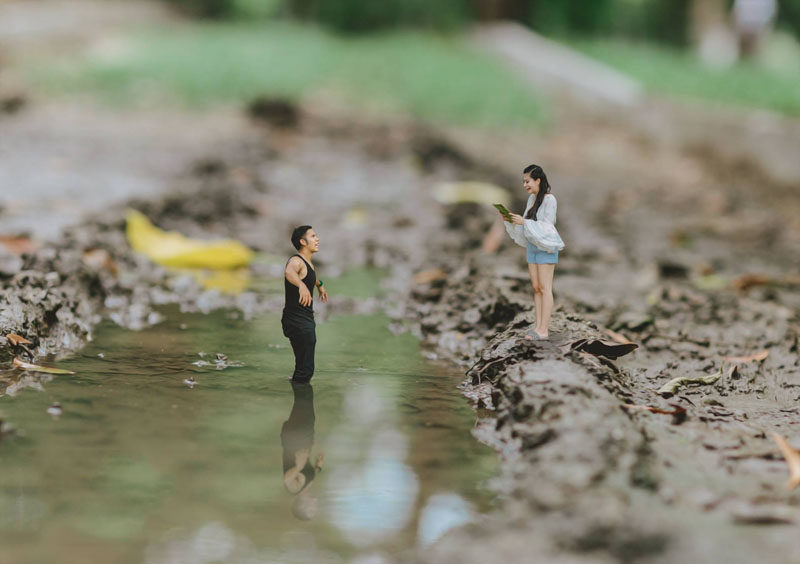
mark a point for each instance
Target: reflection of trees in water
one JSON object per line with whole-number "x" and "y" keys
{"x": 297, "y": 440}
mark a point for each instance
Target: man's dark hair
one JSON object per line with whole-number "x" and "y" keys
{"x": 299, "y": 233}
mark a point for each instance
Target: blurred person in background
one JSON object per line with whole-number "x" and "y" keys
{"x": 753, "y": 21}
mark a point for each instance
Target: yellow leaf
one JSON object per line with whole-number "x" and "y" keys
{"x": 477, "y": 192}
{"x": 170, "y": 248}
{"x": 227, "y": 281}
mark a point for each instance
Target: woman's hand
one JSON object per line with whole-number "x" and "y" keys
{"x": 517, "y": 219}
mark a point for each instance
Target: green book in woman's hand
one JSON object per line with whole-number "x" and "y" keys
{"x": 504, "y": 211}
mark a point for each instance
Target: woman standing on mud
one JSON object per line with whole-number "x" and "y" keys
{"x": 536, "y": 230}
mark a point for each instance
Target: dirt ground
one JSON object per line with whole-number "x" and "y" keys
{"x": 693, "y": 257}
{"x": 674, "y": 242}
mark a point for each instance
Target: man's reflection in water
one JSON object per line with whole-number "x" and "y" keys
{"x": 297, "y": 438}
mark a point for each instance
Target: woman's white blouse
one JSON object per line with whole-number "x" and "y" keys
{"x": 542, "y": 233}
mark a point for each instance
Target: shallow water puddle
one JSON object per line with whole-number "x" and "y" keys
{"x": 144, "y": 467}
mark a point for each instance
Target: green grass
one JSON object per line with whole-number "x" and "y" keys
{"x": 429, "y": 76}
{"x": 681, "y": 74}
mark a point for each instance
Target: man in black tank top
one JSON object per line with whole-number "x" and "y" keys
{"x": 298, "y": 313}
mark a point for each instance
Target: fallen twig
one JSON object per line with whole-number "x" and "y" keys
{"x": 792, "y": 457}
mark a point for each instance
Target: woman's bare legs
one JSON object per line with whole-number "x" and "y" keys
{"x": 537, "y": 294}
{"x": 544, "y": 275}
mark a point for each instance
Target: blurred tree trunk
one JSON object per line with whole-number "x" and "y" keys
{"x": 711, "y": 34}
{"x": 302, "y": 9}
{"x": 487, "y": 10}
{"x": 705, "y": 17}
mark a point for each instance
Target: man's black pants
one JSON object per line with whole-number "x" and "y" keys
{"x": 303, "y": 337}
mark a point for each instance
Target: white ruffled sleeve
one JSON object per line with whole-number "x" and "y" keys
{"x": 543, "y": 232}
{"x": 516, "y": 232}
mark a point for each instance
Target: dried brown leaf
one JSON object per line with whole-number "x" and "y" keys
{"x": 792, "y": 457}
{"x": 17, "y": 340}
{"x": 671, "y": 387}
{"x": 36, "y": 368}
{"x": 17, "y": 245}
{"x": 100, "y": 259}
{"x": 759, "y": 356}
{"x": 747, "y": 281}
{"x": 676, "y": 409}
{"x": 599, "y": 348}
{"x": 618, "y": 337}
{"x": 428, "y": 276}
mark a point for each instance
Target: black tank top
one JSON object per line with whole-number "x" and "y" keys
{"x": 292, "y": 305}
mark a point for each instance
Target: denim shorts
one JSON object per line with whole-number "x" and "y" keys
{"x": 537, "y": 256}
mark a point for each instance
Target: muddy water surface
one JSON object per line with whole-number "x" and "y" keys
{"x": 144, "y": 467}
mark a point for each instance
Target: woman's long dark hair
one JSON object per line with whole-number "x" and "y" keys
{"x": 544, "y": 188}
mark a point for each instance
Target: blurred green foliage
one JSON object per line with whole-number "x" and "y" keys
{"x": 367, "y": 15}
{"x": 661, "y": 20}
{"x": 789, "y": 15}
{"x": 422, "y": 74}
{"x": 679, "y": 73}
{"x": 665, "y": 21}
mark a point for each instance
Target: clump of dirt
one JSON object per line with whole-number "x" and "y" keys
{"x": 275, "y": 112}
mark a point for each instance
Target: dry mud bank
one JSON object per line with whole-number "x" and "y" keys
{"x": 692, "y": 257}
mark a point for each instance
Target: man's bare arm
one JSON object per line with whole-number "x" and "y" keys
{"x": 292, "y": 273}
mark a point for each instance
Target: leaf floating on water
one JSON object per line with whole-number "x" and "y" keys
{"x": 671, "y": 387}
{"x": 17, "y": 340}
{"x": 599, "y": 348}
{"x": 792, "y": 457}
{"x": 55, "y": 410}
{"x": 221, "y": 362}
{"x": 36, "y": 368}
{"x": 756, "y": 357}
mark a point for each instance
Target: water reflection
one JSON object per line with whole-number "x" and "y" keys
{"x": 372, "y": 490}
{"x": 142, "y": 468}
{"x": 297, "y": 440}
